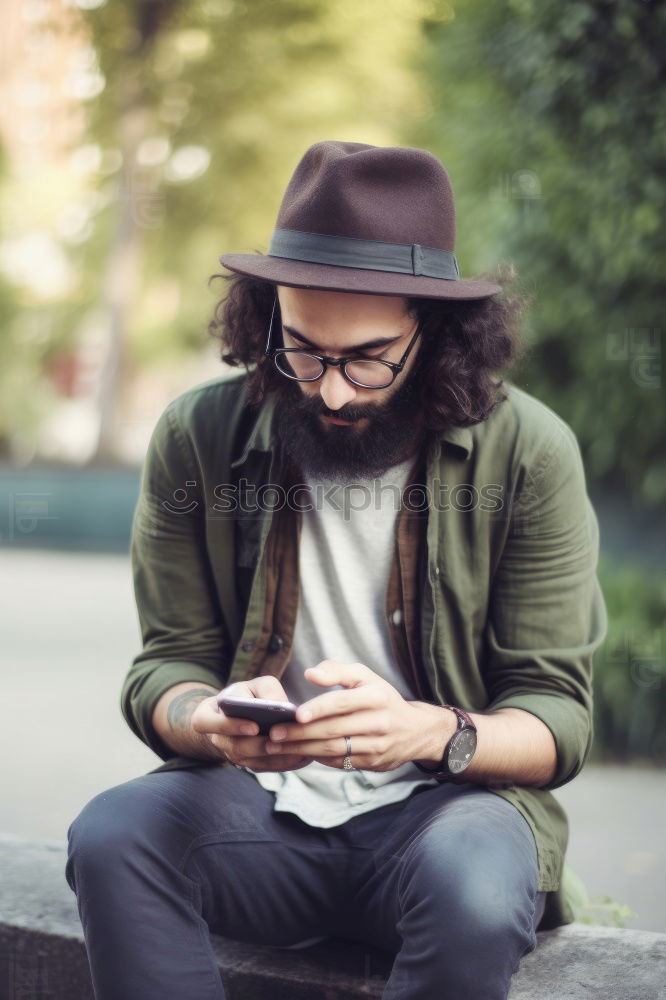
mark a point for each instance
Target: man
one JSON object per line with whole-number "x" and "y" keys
{"x": 369, "y": 524}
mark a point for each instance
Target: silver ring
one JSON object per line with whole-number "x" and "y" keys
{"x": 346, "y": 763}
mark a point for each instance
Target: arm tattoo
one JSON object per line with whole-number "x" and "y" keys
{"x": 181, "y": 707}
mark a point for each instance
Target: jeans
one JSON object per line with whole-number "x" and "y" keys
{"x": 446, "y": 880}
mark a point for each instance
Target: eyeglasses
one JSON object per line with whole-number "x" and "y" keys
{"x": 304, "y": 366}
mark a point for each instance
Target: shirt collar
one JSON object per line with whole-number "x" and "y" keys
{"x": 261, "y": 435}
{"x": 461, "y": 437}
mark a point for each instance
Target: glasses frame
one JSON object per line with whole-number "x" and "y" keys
{"x": 395, "y": 367}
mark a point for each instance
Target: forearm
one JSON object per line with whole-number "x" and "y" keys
{"x": 513, "y": 746}
{"x": 172, "y": 720}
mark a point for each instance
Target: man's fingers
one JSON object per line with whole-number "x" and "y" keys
{"x": 248, "y": 752}
{"x": 208, "y": 717}
{"x": 212, "y": 715}
{"x": 361, "y": 723}
{"x": 266, "y": 686}
{"x": 350, "y": 675}
{"x": 367, "y": 696}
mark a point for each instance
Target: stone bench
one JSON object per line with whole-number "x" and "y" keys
{"x": 42, "y": 955}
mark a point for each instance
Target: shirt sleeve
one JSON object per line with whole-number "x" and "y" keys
{"x": 184, "y": 635}
{"x": 547, "y": 612}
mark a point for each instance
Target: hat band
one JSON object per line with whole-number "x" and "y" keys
{"x": 368, "y": 255}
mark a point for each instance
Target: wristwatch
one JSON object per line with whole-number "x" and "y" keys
{"x": 458, "y": 752}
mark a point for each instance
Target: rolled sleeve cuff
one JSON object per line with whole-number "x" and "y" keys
{"x": 570, "y": 724}
{"x": 138, "y": 702}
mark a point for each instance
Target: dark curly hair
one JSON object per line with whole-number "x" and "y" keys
{"x": 463, "y": 343}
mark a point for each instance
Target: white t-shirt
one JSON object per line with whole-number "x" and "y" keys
{"x": 346, "y": 548}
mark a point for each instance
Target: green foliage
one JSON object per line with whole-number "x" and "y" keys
{"x": 551, "y": 119}
{"x": 202, "y": 110}
{"x": 630, "y": 667}
{"x": 246, "y": 88}
{"x": 602, "y": 910}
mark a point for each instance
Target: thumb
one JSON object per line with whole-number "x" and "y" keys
{"x": 326, "y": 673}
{"x": 349, "y": 675}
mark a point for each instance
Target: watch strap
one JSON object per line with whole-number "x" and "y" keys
{"x": 442, "y": 772}
{"x": 464, "y": 720}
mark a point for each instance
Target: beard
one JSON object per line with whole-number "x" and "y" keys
{"x": 391, "y": 432}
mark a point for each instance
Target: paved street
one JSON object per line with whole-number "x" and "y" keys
{"x": 69, "y": 631}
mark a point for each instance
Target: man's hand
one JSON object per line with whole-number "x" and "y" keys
{"x": 385, "y": 730}
{"x": 238, "y": 739}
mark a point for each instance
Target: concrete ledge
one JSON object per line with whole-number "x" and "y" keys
{"x": 42, "y": 952}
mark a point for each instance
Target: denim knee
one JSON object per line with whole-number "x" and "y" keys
{"x": 482, "y": 878}
{"x": 114, "y": 828}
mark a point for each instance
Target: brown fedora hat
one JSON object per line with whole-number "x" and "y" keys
{"x": 373, "y": 219}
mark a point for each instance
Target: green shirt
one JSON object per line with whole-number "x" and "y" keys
{"x": 511, "y": 610}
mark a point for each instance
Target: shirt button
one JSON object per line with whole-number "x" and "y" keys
{"x": 396, "y": 617}
{"x": 436, "y": 570}
{"x": 247, "y": 647}
{"x": 275, "y": 643}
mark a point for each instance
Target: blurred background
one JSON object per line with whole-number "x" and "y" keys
{"x": 138, "y": 141}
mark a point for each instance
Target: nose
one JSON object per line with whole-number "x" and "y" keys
{"x": 335, "y": 390}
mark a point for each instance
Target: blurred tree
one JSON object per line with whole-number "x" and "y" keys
{"x": 208, "y": 106}
{"x": 125, "y": 36}
{"x": 189, "y": 119}
{"x": 551, "y": 119}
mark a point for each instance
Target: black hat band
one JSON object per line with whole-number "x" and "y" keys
{"x": 369, "y": 255}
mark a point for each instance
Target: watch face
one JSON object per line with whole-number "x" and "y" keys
{"x": 462, "y": 750}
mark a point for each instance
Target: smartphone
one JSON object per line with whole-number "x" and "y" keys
{"x": 263, "y": 711}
